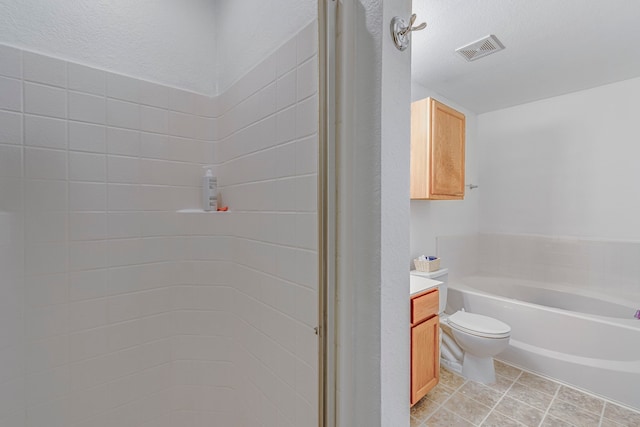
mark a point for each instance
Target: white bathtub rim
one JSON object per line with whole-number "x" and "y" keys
{"x": 628, "y": 366}
{"x": 633, "y": 324}
{"x": 626, "y": 299}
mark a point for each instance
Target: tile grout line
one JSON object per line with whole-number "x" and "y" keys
{"x": 500, "y": 400}
{"x": 546, "y": 412}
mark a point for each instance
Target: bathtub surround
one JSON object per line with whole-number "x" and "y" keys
{"x": 590, "y": 279}
{"x": 134, "y": 314}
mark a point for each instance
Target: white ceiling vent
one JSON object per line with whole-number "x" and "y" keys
{"x": 480, "y": 48}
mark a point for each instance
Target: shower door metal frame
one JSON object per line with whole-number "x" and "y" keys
{"x": 327, "y": 369}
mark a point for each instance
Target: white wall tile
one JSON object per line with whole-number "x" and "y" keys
{"x": 45, "y": 164}
{"x": 10, "y": 128}
{"x": 46, "y": 289}
{"x": 88, "y": 284}
{"x": 286, "y": 90}
{"x": 182, "y": 101}
{"x": 124, "y": 225}
{"x": 87, "y": 255}
{"x": 154, "y": 94}
{"x": 87, "y": 167}
{"x": 154, "y": 146}
{"x": 45, "y": 226}
{"x": 10, "y": 161}
{"x": 88, "y": 314}
{"x": 11, "y": 90}
{"x": 286, "y": 57}
{"x": 87, "y": 137}
{"x": 307, "y": 77}
{"x": 123, "y": 170}
{"x": 87, "y": 108}
{"x": 87, "y": 196}
{"x": 124, "y": 197}
{"x": 10, "y": 62}
{"x": 154, "y": 120}
{"x": 124, "y": 142}
{"x": 87, "y": 226}
{"x": 307, "y": 117}
{"x": 45, "y": 132}
{"x": 307, "y": 42}
{"x": 286, "y": 125}
{"x": 123, "y": 87}
{"x": 45, "y": 258}
{"x": 86, "y": 79}
{"x": 123, "y": 114}
{"x": 45, "y": 100}
{"x": 44, "y": 69}
{"x": 45, "y": 195}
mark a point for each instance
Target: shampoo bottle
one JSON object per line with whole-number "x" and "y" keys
{"x": 209, "y": 190}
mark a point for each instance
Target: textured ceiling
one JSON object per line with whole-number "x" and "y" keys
{"x": 553, "y": 47}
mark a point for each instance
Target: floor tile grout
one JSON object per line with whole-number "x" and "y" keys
{"x": 562, "y": 392}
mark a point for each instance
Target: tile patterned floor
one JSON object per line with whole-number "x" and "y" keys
{"x": 518, "y": 399}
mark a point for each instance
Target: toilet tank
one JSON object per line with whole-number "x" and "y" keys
{"x": 441, "y": 275}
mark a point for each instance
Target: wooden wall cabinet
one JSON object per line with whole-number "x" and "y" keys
{"x": 437, "y": 151}
{"x": 425, "y": 344}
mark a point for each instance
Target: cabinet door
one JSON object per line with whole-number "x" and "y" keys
{"x": 437, "y": 151}
{"x": 425, "y": 357}
{"x": 447, "y": 151}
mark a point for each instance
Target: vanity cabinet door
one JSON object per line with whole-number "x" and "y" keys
{"x": 425, "y": 357}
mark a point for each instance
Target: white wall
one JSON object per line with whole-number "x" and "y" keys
{"x": 167, "y": 41}
{"x": 245, "y": 31}
{"x": 564, "y": 166}
{"x": 432, "y": 218}
{"x": 373, "y": 217}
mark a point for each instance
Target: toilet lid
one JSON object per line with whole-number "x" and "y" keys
{"x": 478, "y": 324}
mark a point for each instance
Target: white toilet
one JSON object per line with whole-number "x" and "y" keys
{"x": 476, "y": 338}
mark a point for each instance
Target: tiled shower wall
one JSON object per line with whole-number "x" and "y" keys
{"x": 118, "y": 311}
{"x": 256, "y": 364}
{"x": 100, "y": 162}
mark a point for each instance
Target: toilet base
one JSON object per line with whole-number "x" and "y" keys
{"x": 478, "y": 369}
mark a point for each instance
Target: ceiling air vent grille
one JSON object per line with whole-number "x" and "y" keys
{"x": 480, "y": 48}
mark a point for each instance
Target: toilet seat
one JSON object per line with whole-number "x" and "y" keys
{"x": 479, "y": 325}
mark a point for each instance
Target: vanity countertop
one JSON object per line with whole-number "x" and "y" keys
{"x": 419, "y": 283}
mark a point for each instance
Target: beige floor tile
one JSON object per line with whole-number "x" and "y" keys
{"x": 521, "y": 412}
{"x": 581, "y": 400}
{"x": 468, "y": 409}
{"x": 550, "y": 421}
{"x": 450, "y": 379}
{"x": 440, "y": 393}
{"x": 573, "y": 415}
{"x": 608, "y": 423}
{"x": 424, "y": 408}
{"x": 621, "y": 415}
{"x": 480, "y": 393}
{"x": 506, "y": 370}
{"x": 444, "y": 418}
{"x": 502, "y": 384}
{"x": 415, "y": 422}
{"x": 538, "y": 383}
{"x": 496, "y": 419}
{"x": 532, "y": 397}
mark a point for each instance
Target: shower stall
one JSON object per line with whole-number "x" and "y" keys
{"x": 122, "y": 303}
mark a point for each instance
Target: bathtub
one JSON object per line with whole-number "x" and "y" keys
{"x": 582, "y": 338}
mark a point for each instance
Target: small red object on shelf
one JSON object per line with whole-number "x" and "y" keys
{"x": 223, "y": 209}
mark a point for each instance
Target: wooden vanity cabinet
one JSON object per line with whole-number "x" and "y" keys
{"x": 437, "y": 151}
{"x": 425, "y": 344}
